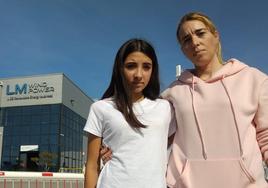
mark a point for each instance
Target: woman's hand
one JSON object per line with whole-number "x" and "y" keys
{"x": 105, "y": 154}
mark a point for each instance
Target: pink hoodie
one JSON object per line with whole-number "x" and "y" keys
{"x": 222, "y": 129}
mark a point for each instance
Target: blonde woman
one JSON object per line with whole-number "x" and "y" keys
{"x": 222, "y": 115}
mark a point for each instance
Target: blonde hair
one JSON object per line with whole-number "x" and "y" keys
{"x": 206, "y": 21}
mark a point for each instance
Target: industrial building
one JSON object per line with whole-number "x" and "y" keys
{"x": 41, "y": 124}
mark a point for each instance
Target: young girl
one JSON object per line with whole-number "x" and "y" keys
{"x": 132, "y": 121}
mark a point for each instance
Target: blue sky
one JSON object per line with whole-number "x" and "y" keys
{"x": 80, "y": 37}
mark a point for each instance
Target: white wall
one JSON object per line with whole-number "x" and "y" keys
{"x": 32, "y": 90}
{"x": 74, "y": 98}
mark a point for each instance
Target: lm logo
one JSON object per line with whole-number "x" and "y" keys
{"x": 17, "y": 89}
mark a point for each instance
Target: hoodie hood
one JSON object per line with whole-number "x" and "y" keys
{"x": 230, "y": 68}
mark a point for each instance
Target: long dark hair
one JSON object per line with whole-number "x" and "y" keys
{"x": 119, "y": 88}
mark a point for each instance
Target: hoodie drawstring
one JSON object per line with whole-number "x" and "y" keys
{"x": 234, "y": 116}
{"x": 204, "y": 151}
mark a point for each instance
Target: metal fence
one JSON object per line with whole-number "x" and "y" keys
{"x": 41, "y": 180}
{"x": 46, "y": 179}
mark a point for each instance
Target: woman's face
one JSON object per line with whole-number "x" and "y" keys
{"x": 198, "y": 43}
{"x": 137, "y": 71}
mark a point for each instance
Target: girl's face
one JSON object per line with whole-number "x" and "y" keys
{"x": 137, "y": 72}
{"x": 198, "y": 43}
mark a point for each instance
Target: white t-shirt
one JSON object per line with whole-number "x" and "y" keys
{"x": 139, "y": 157}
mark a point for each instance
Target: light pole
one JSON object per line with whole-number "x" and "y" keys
{"x": 61, "y": 149}
{"x": 1, "y": 125}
